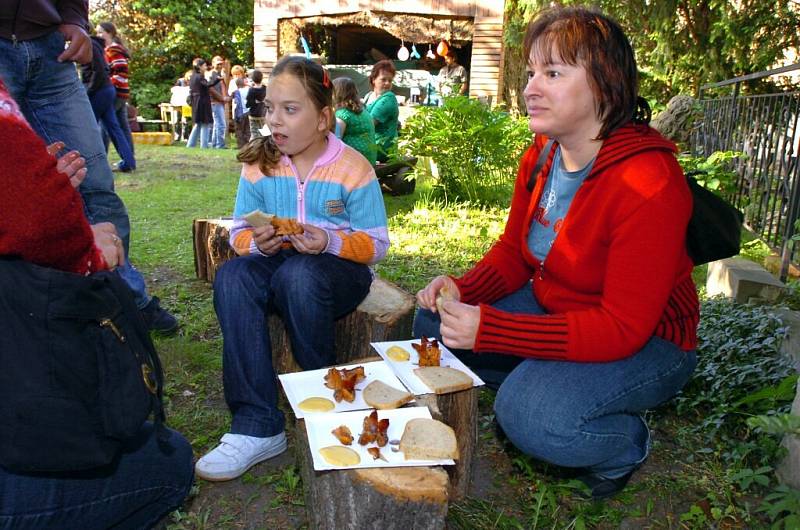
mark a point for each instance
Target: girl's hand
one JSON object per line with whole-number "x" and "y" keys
{"x": 426, "y": 298}
{"x": 266, "y": 240}
{"x": 459, "y": 324}
{"x": 313, "y": 240}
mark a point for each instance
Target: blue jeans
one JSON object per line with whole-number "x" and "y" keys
{"x": 121, "y": 111}
{"x": 220, "y": 125}
{"x": 102, "y": 102}
{"x": 54, "y": 101}
{"x": 583, "y": 415}
{"x": 203, "y": 130}
{"x": 310, "y": 292}
{"x": 145, "y": 483}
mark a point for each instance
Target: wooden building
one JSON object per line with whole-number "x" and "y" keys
{"x": 353, "y": 29}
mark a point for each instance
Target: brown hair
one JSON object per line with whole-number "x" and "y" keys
{"x": 111, "y": 29}
{"x": 318, "y": 85}
{"x": 345, "y": 95}
{"x": 587, "y": 38}
{"x": 384, "y": 65}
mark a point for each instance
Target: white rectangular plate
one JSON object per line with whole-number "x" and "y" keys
{"x": 301, "y": 385}
{"x": 405, "y": 369}
{"x": 319, "y": 427}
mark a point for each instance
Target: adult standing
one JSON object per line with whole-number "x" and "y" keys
{"x": 41, "y": 77}
{"x": 118, "y": 59}
{"x": 381, "y": 103}
{"x": 452, "y": 78}
{"x": 587, "y": 297}
{"x": 219, "y": 98}
{"x": 201, "y": 104}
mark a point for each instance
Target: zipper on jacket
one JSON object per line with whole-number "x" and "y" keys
{"x": 108, "y": 323}
{"x": 14, "y": 24}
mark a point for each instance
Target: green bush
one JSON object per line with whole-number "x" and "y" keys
{"x": 716, "y": 172}
{"x": 476, "y": 149}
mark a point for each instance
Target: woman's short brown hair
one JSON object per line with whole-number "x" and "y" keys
{"x": 587, "y": 38}
{"x": 384, "y": 65}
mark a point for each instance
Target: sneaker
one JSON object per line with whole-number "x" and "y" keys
{"x": 121, "y": 167}
{"x": 157, "y": 318}
{"x": 603, "y": 488}
{"x": 237, "y": 453}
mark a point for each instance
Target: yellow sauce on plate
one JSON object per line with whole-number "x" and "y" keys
{"x": 316, "y": 404}
{"x": 339, "y": 456}
{"x": 396, "y": 353}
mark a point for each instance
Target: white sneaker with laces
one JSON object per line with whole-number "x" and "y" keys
{"x": 237, "y": 453}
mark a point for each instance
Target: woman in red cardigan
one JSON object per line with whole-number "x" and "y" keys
{"x": 584, "y": 312}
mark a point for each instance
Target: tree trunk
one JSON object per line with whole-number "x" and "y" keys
{"x": 211, "y": 247}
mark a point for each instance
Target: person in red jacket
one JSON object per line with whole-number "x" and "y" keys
{"x": 584, "y": 312}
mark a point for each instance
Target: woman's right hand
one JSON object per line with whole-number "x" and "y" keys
{"x": 266, "y": 240}
{"x": 109, "y": 243}
{"x": 426, "y": 298}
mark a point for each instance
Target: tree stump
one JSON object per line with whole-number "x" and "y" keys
{"x": 387, "y": 313}
{"x": 385, "y": 498}
{"x": 459, "y": 410}
{"x": 211, "y": 247}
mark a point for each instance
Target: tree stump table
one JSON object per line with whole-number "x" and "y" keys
{"x": 211, "y": 247}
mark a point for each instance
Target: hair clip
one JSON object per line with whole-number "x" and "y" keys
{"x": 326, "y": 80}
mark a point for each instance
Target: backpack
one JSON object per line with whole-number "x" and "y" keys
{"x": 79, "y": 374}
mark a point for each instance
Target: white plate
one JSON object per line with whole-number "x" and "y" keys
{"x": 319, "y": 427}
{"x": 405, "y": 369}
{"x": 301, "y": 385}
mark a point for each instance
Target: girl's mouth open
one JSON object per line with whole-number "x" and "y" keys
{"x": 279, "y": 138}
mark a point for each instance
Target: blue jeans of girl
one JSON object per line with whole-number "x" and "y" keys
{"x": 310, "y": 292}
{"x": 103, "y": 101}
{"x": 583, "y": 415}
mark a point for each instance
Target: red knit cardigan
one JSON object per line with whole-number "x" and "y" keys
{"x": 617, "y": 273}
{"x": 41, "y": 214}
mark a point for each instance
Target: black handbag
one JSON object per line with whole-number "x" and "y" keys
{"x": 79, "y": 374}
{"x": 715, "y": 228}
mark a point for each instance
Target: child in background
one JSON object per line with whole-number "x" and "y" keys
{"x": 241, "y": 115}
{"x": 354, "y": 126}
{"x": 303, "y": 172}
{"x": 255, "y": 102}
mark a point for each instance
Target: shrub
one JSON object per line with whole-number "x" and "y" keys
{"x": 476, "y": 149}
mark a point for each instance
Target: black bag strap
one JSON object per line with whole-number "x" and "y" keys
{"x": 543, "y": 155}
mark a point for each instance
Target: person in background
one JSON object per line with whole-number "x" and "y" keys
{"x": 354, "y": 124}
{"x": 241, "y": 114}
{"x": 41, "y": 206}
{"x": 584, "y": 312}
{"x": 102, "y": 96}
{"x": 118, "y": 58}
{"x": 219, "y": 98}
{"x": 452, "y": 78}
{"x": 255, "y": 102}
{"x": 302, "y": 172}
{"x": 40, "y": 75}
{"x": 201, "y": 104}
{"x": 381, "y": 103}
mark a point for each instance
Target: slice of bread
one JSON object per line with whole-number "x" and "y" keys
{"x": 381, "y": 396}
{"x": 443, "y": 379}
{"x": 258, "y": 218}
{"x": 427, "y": 439}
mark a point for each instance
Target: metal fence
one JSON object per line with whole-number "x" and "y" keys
{"x": 765, "y": 128}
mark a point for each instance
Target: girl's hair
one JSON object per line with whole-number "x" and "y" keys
{"x": 319, "y": 88}
{"x": 345, "y": 95}
{"x": 237, "y": 70}
{"x": 587, "y": 38}
{"x": 384, "y": 65}
{"x": 111, "y": 29}
{"x": 198, "y": 64}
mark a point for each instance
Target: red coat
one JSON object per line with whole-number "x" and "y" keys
{"x": 617, "y": 273}
{"x": 41, "y": 219}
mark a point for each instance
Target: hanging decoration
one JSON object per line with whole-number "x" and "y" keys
{"x": 402, "y": 53}
{"x": 414, "y": 52}
{"x": 430, "y": 54}
{"x": 442, "y": 48}
{"x": 306, "y": 49}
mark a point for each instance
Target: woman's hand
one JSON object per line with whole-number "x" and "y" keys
{"x": 459, "y": 326}
{"x": 266, "y": 240}
{"x": 313, "y": 240}
{"x": 426, "y": 298}
{"x": 109, "y": 243}
{"x": 72, "y": 164}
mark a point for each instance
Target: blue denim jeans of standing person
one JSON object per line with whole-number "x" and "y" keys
{"x": 220, "y": 126}
{"x": 102, "y": 102}
{"x": 54, "y": 101}
{"x": 310, "y": 292}
{"x": 203, "y": 131}
{"x": 121, "y": 111}
{"x": 584, "y": 415}
{"x": 146, "y": 482}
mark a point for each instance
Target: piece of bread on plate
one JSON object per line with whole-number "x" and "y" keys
{"x": 443, "y": 379}
{"x": 427, "y": 439}
{"x": 381, "y": 396}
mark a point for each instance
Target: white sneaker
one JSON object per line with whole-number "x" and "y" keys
{"x": 237, "y": 453}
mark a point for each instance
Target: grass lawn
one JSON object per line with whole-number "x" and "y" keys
{"x": 175, "y": 185}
